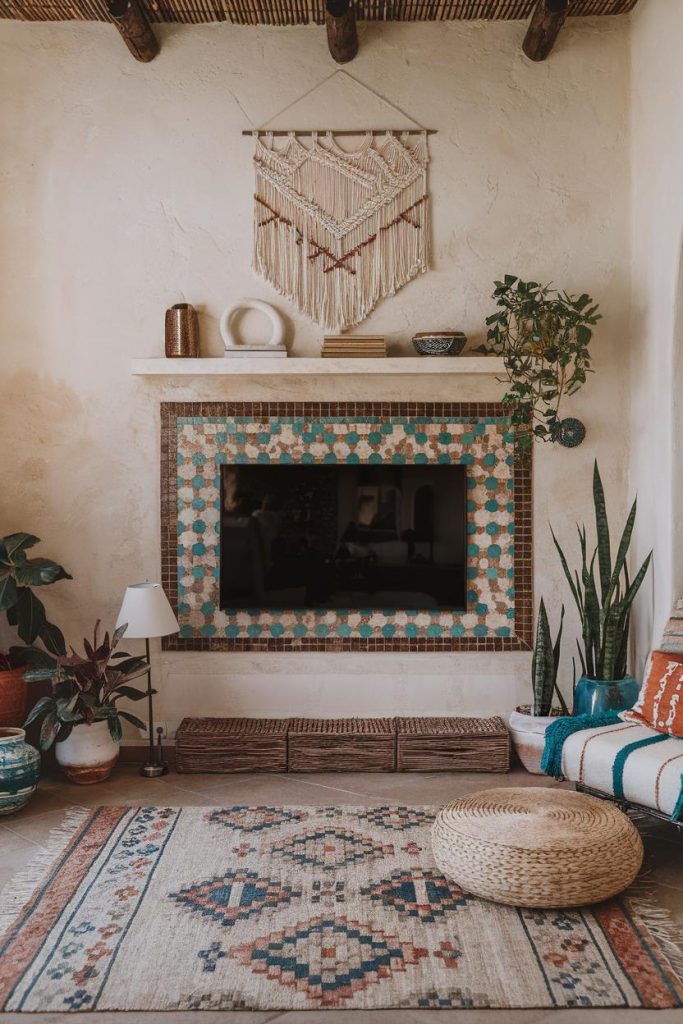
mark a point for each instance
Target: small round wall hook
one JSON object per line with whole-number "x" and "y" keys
{"x": 570, "y": 432}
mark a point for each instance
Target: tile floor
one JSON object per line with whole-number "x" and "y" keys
{"x": 23, "y": 833}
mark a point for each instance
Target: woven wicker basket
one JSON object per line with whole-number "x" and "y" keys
{"x": 537, "y": 847}
{"x": 232, "y": 745}
{"x": 342, "y": 745}
{"x": 452, "y": 745}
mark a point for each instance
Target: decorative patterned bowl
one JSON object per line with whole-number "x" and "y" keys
{"x": 439, "y": 343}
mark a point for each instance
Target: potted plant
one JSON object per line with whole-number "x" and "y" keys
{"x": 26, "y": 613}
{"x": 605, "y": 613}
{"x": 529, "y": 722}
{"x": 82, "y": 713}
{"x": 543, "y": 337}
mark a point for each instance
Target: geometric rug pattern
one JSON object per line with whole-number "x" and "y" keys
{"x": 267, "y": 908}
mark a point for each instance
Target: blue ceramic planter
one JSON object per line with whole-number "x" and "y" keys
{"x": 593, "y": 696}
{"x": 19, "y": 770}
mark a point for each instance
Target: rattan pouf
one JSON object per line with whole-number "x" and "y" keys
{"x": 537, "y": 847}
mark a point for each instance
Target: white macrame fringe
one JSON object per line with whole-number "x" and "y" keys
{"x": 336, "y": 232}
{"x": 657, "y": 919}
{"x": 20, "y": 889}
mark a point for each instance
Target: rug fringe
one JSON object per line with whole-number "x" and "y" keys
{"x": 18, "y": 891}
{"x": 659, "y": 923}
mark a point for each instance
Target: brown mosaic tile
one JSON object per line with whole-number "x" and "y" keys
{"x": 521, "y": 636}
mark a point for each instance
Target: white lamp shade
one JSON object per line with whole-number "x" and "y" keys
{"x": 146, "y": 611}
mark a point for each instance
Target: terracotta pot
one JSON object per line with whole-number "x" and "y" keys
{"x": 528, "y": 736}
{"x": 19, "y": 770}
{"x": 88, "y": 755}
{"x": 12, "y": 697}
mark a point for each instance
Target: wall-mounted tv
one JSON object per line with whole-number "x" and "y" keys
{"x": 343, "y": 536}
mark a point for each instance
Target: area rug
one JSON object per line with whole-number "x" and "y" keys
{"x": 281, "y": 908}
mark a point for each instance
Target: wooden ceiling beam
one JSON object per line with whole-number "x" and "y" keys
{"x": 131, "y": 21}
{"x": 342, "y": 35}
{"x": 544, "y": 27}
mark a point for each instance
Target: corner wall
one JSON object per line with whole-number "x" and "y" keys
{"x": 656, "y": 331}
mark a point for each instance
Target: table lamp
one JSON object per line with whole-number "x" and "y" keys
{"x": 146, "y": 613}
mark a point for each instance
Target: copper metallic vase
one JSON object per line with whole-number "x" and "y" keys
{"x": 182, "y": 331}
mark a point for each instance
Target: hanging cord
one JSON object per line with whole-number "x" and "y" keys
{"x": 373, "y": 92}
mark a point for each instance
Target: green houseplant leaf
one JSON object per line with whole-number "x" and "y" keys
{"x": 25, "y": 612}
{"x": 8, "y": 591}
{"x": 602, "y": 531}
{"x": 133, "y": 719}
{"x": 49, "y": 730}
{"x": 44, "y": 705}
{"x": 31, "y": 617}
{"x": 39, "y": 572}
{"x": 545, "y": 664}
{"x": 15, "y": 543}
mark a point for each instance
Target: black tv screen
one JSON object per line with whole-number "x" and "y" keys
{"x": 343, "y": 536}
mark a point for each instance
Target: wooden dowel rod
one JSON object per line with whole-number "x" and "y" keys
{"x": 345, "y": 131}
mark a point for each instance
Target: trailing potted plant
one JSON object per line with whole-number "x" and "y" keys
{"x": 605, "y": 612}
{"x": 543, "y": 337}
{"x": 82, "y": 713}
{"x": 26, "y": 613}
{"x": 529, "y": 722}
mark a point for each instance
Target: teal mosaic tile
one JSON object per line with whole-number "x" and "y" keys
{"x": 482, "y": 444}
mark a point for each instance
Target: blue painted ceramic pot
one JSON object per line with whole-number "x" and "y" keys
{"x": 593, "y": 696}
{"x": 19, "y": 770}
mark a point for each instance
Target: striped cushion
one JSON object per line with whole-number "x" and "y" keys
{"x": 672, "y": 640}
{"x": 650, "y": 774}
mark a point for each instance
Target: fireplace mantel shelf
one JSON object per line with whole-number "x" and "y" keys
{"x": 301, "y": 367}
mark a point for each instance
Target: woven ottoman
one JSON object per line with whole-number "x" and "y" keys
{"x": 536, "y": 847}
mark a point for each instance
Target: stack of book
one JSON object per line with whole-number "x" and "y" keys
{"x": 354, "y": 346}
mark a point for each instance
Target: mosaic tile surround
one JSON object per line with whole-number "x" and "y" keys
{"x": 196, "y": 438}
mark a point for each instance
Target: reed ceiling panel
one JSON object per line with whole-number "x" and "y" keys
{"x": 299, "y": 12}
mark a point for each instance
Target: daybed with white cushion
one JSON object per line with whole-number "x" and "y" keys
{"x": 627, "y": 760}
{"x": 649, "y": 775}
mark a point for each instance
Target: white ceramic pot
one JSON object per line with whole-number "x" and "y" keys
{"x": 528, "y": 737}
{"x": 88, "y": 754}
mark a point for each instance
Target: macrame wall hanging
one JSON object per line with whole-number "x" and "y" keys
{"x": 336, "y": 231}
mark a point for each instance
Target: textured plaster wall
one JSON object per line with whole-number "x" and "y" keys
{"x": 126, "y": 187}
{"x": 656, "y": 372}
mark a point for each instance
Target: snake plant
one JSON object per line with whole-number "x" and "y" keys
{"x": 544, "y": 665}
{"x": 604, "y": 606}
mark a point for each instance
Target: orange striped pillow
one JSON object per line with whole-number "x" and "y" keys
{"x": 660, "y": 701}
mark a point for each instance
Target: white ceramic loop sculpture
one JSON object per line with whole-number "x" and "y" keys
{"x": 277, "y": 337}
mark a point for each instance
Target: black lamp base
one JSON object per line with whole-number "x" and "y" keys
{"x": 155, "y": 766}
